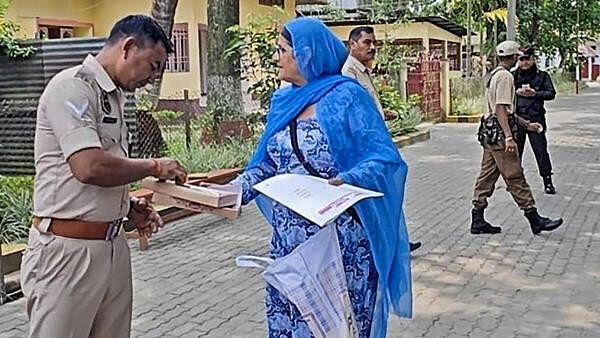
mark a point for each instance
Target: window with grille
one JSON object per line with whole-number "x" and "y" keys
{"x": 436, "y": 48}
{"x": 179, "y": 61}
{"x": 454, "y": 55}
{"x": 271, "y": 2}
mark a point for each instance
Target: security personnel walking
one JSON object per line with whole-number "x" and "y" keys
{"x": 500, "y": 157}
{"x": 76, "y": 272}
{"x": 533, "y": 87}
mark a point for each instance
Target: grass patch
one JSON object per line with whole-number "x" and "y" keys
{"x": 16, "y": 208}
{"x": 232, "y": 153}
{"x": 467, "y": 96}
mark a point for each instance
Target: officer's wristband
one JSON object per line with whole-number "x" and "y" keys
{"x": 508, "y": 138}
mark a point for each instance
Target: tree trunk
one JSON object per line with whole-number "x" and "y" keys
{"x": 162, "y": 11}
{"x": 563, "y": 59}
{"x": 150, "y": 142}
{"x": 535, "y": 27}
{"x": 224, "y": 91}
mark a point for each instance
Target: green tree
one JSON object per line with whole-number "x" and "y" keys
{"x": 254, "y": 45}
{"x": 558, "y": 26}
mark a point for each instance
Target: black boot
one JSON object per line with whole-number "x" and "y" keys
{"x": 414, "y": 246}
{"x": 539, "y": 223}
{"x": 548, "y": 186}
{"x": 479, "y": 224}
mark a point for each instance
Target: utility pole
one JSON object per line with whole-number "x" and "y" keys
{"x": 577, "y": 67}
{"x": 469, "y": 65}
{"x": 512, "y": 18}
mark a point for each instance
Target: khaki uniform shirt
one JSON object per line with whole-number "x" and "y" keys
{"x": 80, "y": 108}
{"x": 500, "y": 91}
{"x": 356, "y": 70}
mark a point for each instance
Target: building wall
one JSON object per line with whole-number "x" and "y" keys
{"x": 26, "y": 12}
{"x": 192, "y": 12}
{"x": 250, "y": 7}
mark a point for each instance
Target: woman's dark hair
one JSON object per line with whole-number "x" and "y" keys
{"x": 143, "y": 28}
{"x": 286, "y": 34}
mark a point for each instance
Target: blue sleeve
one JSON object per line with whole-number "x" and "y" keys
{"x": 372, "y": 142}
{"x": 252, "y": 176}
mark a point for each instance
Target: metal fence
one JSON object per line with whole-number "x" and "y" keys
{"x": 21, "y": 84}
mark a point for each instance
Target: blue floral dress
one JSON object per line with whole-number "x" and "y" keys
{"x": 290, "y": 230}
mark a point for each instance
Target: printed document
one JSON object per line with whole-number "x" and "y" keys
{"x": 313, "y": 197}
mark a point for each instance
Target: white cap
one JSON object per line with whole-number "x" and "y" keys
{"x": 507, "y": 48}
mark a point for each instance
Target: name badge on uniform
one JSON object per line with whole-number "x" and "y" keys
{"x": 109, "y": 119}
{"x": 106, "y": 107}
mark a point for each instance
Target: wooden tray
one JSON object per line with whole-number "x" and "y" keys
{"x": 230, "y": 213}
{"x": 201, "y": 195}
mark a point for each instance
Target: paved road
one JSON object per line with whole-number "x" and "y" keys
{"x": 506, "y": 285}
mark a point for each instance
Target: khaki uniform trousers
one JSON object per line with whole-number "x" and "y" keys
{"x": 496, "y": 162}
{"x": 77, "y": 288}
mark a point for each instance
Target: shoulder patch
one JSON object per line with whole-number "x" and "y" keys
{"x": 77, "y": 110}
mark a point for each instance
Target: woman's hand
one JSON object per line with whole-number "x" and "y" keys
{"x": 337, "y": 181}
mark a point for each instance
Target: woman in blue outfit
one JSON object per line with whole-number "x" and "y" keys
{"x": 340, "y": 136}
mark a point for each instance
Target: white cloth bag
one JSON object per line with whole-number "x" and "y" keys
{"x": 312, "y": 277}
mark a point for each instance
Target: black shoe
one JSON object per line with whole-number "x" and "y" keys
{"x": 479, "y": 224}
{"x": 539, "y": 223}
{"x": 414, "y": 246}
{"x": 548, "y": 186}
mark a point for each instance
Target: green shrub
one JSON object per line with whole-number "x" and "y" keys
{"x": 564, "y": 83}
{"x": 9, "y": 43}
{"x": 200, "y": 157}
{"x": 467, "y": 96}
{"x": 16, "y": 208}
{"x": 408, "y": 113}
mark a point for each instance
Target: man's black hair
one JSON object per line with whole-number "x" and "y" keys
{"x": 143, "y": 28}
{"x": 356, "y": 32}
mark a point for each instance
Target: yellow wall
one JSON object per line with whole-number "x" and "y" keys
{"x": 192, "y": 12}
{"x": 25, "y": 12}
{"x": 249, "y": 7}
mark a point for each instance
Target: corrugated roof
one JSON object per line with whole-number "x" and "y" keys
{"x": 444, "y": 24}
{"x": 438, "y": 21}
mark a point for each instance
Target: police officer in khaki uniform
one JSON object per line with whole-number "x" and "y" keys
{"x": 500, "y": 156}
{"x": 76, "y": 272}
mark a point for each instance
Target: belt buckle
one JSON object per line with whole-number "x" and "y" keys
{"x": 113, "y": 230}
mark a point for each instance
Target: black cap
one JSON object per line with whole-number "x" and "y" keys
{"x": 529, "y": 51}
